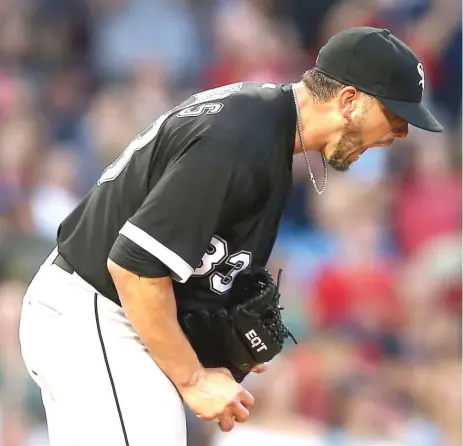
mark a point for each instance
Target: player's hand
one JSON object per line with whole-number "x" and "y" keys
{"x": 260, "y": 368}
{"x": 217, "y": 396}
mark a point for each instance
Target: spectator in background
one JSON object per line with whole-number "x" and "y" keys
{"x": 16, "y": 424}
{"x": 427, "y": 199}
{"x": 128, "y": 33}
{"x": 53, "y": 196}
{"x": 256, "y": 49}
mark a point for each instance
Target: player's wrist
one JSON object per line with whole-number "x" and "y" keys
{"x": 190, "y": 380}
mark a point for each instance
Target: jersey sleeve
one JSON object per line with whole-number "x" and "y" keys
{"x": 179, "y": 216}
{"x": 130, "y": 256}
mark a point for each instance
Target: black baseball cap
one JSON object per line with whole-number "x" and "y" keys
{"x": 377, "y": 63}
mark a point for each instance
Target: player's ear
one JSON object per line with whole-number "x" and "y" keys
{"x": 348, "y": 100}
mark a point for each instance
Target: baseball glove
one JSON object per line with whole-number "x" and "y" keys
{"x": 247, "y": 332}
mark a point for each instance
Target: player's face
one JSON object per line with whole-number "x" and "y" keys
{"x": 372, "y": 125}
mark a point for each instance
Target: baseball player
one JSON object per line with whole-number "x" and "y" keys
{"x": 156, "y": 294}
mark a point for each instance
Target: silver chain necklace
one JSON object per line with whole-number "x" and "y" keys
{"x": 301, "y": 138}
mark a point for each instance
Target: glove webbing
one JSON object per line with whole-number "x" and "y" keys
{"x": 272, "y": 318}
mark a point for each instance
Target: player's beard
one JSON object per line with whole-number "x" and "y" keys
{"x": 349, "y": 142}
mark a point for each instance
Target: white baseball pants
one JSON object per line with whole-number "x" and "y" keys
{"x": 99, "y": 385}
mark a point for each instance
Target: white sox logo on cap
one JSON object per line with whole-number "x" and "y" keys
{"x": 420, "y": 69}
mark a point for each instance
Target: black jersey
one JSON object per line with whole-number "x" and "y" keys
{"x": 202, "y": 190}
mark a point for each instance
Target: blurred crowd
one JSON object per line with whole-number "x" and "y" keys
{"x": 372, "y": 270}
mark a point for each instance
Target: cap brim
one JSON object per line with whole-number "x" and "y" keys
{"x": 415, "y": 113}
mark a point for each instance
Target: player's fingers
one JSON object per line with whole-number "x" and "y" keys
{"x": 240, "y": 413}
{"x": 260, "y": 368}
{"x": 246, "y": 399}
{"x": 206, "y": 418}
{"x": 226, "y": 422}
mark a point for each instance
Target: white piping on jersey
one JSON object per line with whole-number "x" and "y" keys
{"x": 178, "y": 266}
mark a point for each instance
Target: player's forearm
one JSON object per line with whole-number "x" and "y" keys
{"x": 150, "y": 307}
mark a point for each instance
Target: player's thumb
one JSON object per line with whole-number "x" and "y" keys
{"x": 260, "y": 368}
{"x": 225, "y": 371}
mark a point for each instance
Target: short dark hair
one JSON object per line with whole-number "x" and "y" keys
{"x": 321, "y": 87}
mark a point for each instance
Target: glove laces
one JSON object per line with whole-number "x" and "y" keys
{"x": 282, "y": 329}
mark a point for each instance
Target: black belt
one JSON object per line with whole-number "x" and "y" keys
{"x": 63, "y": 264}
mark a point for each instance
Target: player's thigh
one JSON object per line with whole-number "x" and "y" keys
{"x": 104, "y": 385}
{"x": 150, "y": 406}
{"x": 61, "y": 350}
{"x": 112, "y": 392}
{"x": 59, "y": 433}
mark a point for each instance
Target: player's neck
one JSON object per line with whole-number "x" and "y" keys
{"x": 317, "y": 126}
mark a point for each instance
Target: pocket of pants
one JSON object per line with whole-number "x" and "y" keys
{"x": 38, "y": 300}
{"x": 44, "y": 307}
